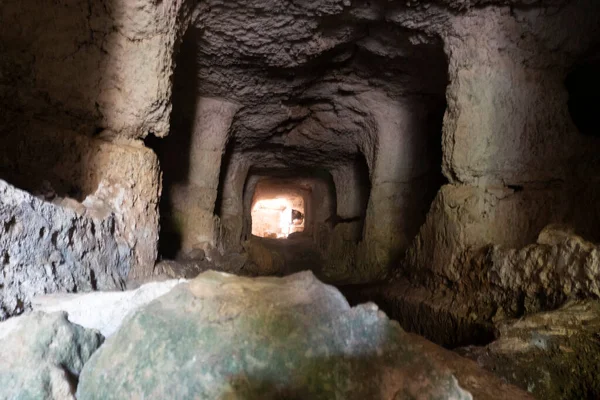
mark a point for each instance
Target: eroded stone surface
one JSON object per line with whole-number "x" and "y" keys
{"x": 48, "y": 248}
{"x": 521, "y": 273}
{"x": 102, "y": 64}
{"x": 43, "y": 357}
{"x": 553, "y": 355}
{"x": 559, "y": 266}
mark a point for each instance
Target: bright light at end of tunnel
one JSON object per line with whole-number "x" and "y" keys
{"x": 274, "y": 218}
{"x": 273, "y": 204}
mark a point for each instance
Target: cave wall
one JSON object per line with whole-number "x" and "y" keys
{"x": 192, "y": 194}
{"x": 371, "y": 79}
{"x": 80, "y": 84}
{"x": 514, "y": 159}
{"x": 46, "y": 248}
{"x": 313, "y": 85}
{"x": 91, "y": 65}
{"x": 101, "y": 176}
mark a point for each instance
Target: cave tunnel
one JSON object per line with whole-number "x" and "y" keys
{"x": 279, "y": 209}
{"x": 365, "y": 199}
{"x": 353, "y": 134}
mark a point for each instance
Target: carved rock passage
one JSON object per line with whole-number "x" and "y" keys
{"x": 324, "y": 86}
{"x": 319, "y": 85}
{"x": 317, "y": 88}
{"x": 48, "y": 248}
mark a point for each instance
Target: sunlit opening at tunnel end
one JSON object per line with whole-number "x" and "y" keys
{"x": 277, "y": 218}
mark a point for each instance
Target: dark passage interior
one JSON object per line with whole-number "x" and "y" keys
{"x": 352, "y": 135}
{"x": 583, "y": 85}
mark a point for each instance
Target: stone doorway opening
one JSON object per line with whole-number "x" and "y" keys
{"x": 278, "y": 217}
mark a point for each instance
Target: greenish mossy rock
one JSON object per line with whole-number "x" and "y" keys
{"x": 41, "y": 359}
{"x": 227, "y": 337}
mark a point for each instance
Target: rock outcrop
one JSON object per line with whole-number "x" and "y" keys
{"x": 50, "y": 248}
{"x": 554, "y": 355}
{"x": 43, "y": 357}
{"x": 488, "y": 248}
{"x": 560, "y": 266}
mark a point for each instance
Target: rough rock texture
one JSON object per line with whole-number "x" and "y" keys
{"x": 49, "y": 248}
{"x": 455, "y": 250}
{"x": 120, "y": 178}
{"x": 78, "y": 81}
{"x": 553, "y": 355}
{"x": 43, "y": 357}
{"x": 559, "y": 266}
{"x": 102, "y": 311}
{"x": 294, "y": 337}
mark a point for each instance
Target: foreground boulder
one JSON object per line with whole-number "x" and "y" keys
{"x": 42, "y": 357}
{"x": 103, "y": 311}
{"x": 226, "y": 337}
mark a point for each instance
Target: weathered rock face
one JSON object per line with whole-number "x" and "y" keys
{"x": 102, "y": 311}
{"x": 102, "y": 65}
{"x": 512, "y": 277}
{"x": 79, "y": 84}
{"x": 49, "y": 248}
{"x": 43, "y": 357}
{"x": 553, "y": 355}
{"x": 347, "y": 96}
{"x": 559, "y": 266}
{"x": 227, "y": 336}
{"x": 120, "y": 178}
{"x": 514, "y": 158}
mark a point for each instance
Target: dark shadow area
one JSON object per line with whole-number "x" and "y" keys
{"x": 583, "y": 85}
{"x": 225, "y": 165}
{"x": 416, "y": 314}
{"x": 174, "y": 151}
{"x": 360, "y": 193}
{"x": 421, "y": 190}
{"x": 48, "y": 125}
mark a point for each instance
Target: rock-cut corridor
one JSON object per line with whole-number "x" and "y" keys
{"x": 279, "y": 199}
